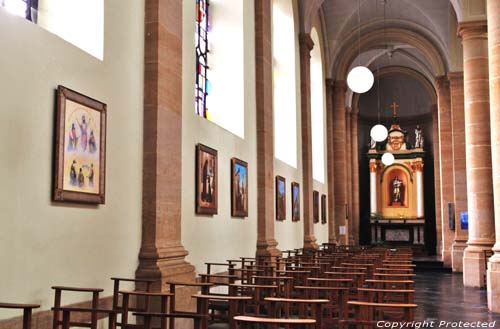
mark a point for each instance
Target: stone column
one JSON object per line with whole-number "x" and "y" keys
{"x": 348, "y": 159}
{"x": 459, "y": 170}
{"x": 437, "y": 179}
{"x": 419, "y": 178}
{"x": 355, "y": 173}
{"x": 162, "y": 255}
{"x": 494, "y": 73}
{"x": 339, "y": 141}
{"x": 478, "y": 151}
{"x": 330, "y": 156}
{"x": 445, "y": 164}
{"x": 306, "y": 45}
{"x": 266, "y": 243}
{"x": 373, "y": 187}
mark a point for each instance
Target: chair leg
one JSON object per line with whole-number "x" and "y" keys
{"x": 66, "y": 317}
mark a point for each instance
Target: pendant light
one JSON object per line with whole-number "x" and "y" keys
{"x": 360, "y": 79}
{"x": 388, "y": 158}
{"x": 379, "y": 132}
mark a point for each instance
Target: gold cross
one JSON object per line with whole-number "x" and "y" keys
{"x": 394, "y": 107}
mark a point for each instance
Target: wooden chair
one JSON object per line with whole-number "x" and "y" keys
{"x": 205, "y": 290}
{"x": 148, "y": 314}
{"x": 236, "y": 306}
{"x": 250, "y": 322}
{"x": 93, "y": 310}
{"x": 367, "y": 314}
{"x": 66, "y": 322}
{"x": 27, "y": 311}
{"x": 116, "y": 295}
{"x": 307, "y": 308}
{"x": 337, "y": 297}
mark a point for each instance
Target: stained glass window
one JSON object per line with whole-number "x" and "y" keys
{"x": 202, "y": 87}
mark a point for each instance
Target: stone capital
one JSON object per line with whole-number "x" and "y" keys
{"x": 442, "y": 82}
{"x": 340, "y": 86}
{"x": 306, "y": 43}
{"x": 473, "y": 30}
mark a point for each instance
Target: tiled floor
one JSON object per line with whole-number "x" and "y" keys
{"x": 442, "y": 297}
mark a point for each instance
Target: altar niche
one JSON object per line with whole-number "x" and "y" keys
{"x": 397, "y": 191}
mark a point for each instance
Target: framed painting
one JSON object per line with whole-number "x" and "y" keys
{"x": 315, "y": 206}
{"x": 280, "y": 198}
{"x": 80, "y": 151}
{"x": 295, "y": 201}
{"x": 239, "y": 188}
{"x": 206, "y": 180}
{"x": 323, "y": 209}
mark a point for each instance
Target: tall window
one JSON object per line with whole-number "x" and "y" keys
{"x": 24, "y": 8}
{"x": 219, "y": 57}
{"x": 284, "y": 82}
{"x": 79, "y": 22}
{"x": 317, "y": 110}
{"x": 202, "y": 84}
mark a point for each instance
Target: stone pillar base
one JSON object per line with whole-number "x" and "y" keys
{"x": 474, "y": 266}
{"x": 310, "y": 243}
{"x": 493, "y": 279}
{"x": 446, "y": 257}
{"x": 268, "y": 248}
{"x": 457, "y": 255}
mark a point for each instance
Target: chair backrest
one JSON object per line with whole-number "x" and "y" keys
{"x": 27, "y": 311}
{"x": 57, "y": 320}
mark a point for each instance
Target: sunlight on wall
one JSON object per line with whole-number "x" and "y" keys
{"x": 317, "y": 110}
{"x": 225, "y": 102}
{"x": 16, "y": 7}
{"x": 80, "y": 22}
{"x": 285, "y": 108}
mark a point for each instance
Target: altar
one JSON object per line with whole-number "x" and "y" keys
{"x": 397, "y": 190}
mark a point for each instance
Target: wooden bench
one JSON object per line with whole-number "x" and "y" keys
{"x": 250, "y": 322}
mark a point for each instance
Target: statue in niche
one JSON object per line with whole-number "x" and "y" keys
{"x": 419, "y": 139}
{"x": 397, "y": 186}
{"x": 373, "y": 144}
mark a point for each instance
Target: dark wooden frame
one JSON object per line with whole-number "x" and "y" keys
{"x": 295, "y": 218}
{"x": 59, "y": 194}
{"x": 278, "y": 180}
{"x": 323, "y": 209}
{"x": 234, "y": 211}
{"x": 200, "y": 209}
{"x": 315, "y": 206}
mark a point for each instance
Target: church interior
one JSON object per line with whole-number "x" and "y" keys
{"x": 254, "y": 164}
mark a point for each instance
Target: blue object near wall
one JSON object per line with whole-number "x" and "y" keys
{"x": 464, "y": 220}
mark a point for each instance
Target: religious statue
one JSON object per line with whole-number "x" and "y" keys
{"x": 419, "y": 139}
{"x": 373, "y": 144}
{"x": 396, "y": 190}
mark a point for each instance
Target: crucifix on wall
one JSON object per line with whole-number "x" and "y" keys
{"x": 394, "y": 106}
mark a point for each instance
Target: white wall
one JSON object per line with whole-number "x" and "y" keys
{"x": 290, "y": 235}
{"x": 43, "y": 243}
{"x": 219, "y": 237}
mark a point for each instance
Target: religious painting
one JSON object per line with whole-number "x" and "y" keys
{"x": 397, "y": 186}
{"x": 206, "y": 180}
{"x": 80, "y": 148}
{"x": 239, "y": 188}
{"x": 280, "y": 198}
{"x": 295, "y": 202}
{"x": 315, "y": 206}
{"x": 323, "y": 209}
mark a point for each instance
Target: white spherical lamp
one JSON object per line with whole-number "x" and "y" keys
{"x": 388, "y": 159}
{"x": 360, "y": 79}
{"x": 378, "y": 133}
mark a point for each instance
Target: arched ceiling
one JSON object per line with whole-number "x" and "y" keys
{"x": 419, "y": 35}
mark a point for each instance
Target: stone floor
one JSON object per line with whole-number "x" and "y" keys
{"x": 442, "y": 297}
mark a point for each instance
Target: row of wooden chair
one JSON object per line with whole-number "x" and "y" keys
{"x": 336, "y": 286}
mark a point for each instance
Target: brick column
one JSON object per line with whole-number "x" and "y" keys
{"x": 445, "y": 164}
{"x": 494, "y": 74}
{"x": 437, "y": 179}
{"x": 266, "y": 243}
{"x": 348, "y": 160}
{"x": 162, "y": 255}
{"x": 355, "y": 174}
{"x": 459, "y": 170}
{"x": 330, "y": 156}
{"x": 306, "y": 45}
{"x": 478, "y": 151}
{"x": 339, "y": 141}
